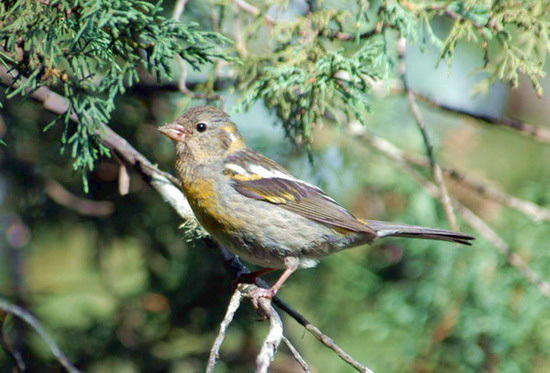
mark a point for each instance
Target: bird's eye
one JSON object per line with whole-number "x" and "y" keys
{"x": 201, "y": 127}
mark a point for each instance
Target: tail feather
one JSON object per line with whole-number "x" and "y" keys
{"x": 387, "y": 229}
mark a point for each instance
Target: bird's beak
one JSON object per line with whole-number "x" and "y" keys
{"x": 174, "y": 132}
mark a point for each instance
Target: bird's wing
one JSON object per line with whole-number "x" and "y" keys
{"x": 255, "y": 176}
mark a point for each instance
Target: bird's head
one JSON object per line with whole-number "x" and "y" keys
{"x": 205, "y": 133}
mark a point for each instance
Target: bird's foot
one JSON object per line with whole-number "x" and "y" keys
{"x": 250, "y": 278}
{"x": 256, "y": 293}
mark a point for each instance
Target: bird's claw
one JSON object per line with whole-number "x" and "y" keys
{"x": 257, "y": 293}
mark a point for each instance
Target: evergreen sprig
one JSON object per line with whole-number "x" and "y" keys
{"x": 294, "y": 79}
{"x": 514, "y": 35}
{"x": 301, "y": 94}
{"x": 306, "y": 78}
{"x": 90, "y": 50}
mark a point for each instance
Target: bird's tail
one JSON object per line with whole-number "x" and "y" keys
{"x": 386, "y": 229}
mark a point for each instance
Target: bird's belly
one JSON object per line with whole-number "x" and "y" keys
{"x": 264, "y": 234}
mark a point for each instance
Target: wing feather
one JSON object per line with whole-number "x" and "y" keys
{"x": 288, "y": 192}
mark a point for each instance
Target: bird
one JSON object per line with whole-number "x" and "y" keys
{"x": 259, "y": 211}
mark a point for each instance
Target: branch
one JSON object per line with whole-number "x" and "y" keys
{"x": 474, "y": 221}
{"x": 512, "y": 258}
{"x": 436, "y": 170}
{"x": 297, "y": 355}
{"x": 234, "y": 304}
{"x": 176, "y": 15}
{"x": 273, "y": 338}
{"x": 165, "y": 185}
{"x": 182, "y": 86}
{"x": 535, "y": 212}
{"x": 35, "y": 324}
{"x": 235, "y": 268}
{"x": 62, "y": 196}
{"x": 538, "y": 133}
{"x": 251, "y": 9}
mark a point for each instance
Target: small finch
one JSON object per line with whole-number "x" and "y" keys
{"x": 256, "y": 209}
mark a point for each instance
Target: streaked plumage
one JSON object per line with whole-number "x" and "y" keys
{"x": 257, "y": 209}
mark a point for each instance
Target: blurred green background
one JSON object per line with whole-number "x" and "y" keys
{"x": 126, "y": 292}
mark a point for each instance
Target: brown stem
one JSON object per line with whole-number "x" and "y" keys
{"x": 538, "y": 133}
{"x": 474, "y": 221}
{"x": 436, "y": 170}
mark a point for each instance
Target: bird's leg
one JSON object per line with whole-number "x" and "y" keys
{"x": 256, "y": 293}
{"x": 250, "y": 278}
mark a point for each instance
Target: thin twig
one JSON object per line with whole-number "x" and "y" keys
{"x": 182, "y": 82}
{"x": 474, "y": 221}
{"x": 234, "y": 304}
{"x": 35, "y": 324}
{"x": 530, "y": 209}
{"x": 83, "y": 206}
{"x": 270, "y": 21}
{"x": 175, "y": 198}
{"x": 436, "y": 170}
{"x": 297, "y": 355}
{"x": 273, "y": 338}
{"x": 240, "y": 41}
{"x": 535, "y": 212}
{"x": 538, "y": 133}
{"x": 512, "y": 258}
{"x": 251, "y": 9}
{"x": 176, "y": 15}
{"x": 234, "y": 266}
{"x": 350, "y": 37}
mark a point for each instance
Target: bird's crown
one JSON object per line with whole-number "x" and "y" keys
{"x": 204, "y": 133}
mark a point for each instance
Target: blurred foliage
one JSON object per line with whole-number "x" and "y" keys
{"x": 126, "y": 293}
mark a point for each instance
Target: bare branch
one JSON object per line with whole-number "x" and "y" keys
{"x": 35, "y": 324}
{"x": 297, "y": 355}
{"x": 436, "y": 170}
{"x": 538, "y": 133}
{"x": 62, "y": 196}
{"x": 234, "y": 266}
{"x": 182, "y": 84}
{"x": 273, "y": 338}
{"x": 541, "y": 134}
{"x": 234, "y": 304}
{"x": 532, "y": 210}
{"x": 251, "y": 9}
{"x": 178, "y": 9}
{"x": 483, "y": 188}
{"x": 176, "y": 15}
{"x": 272, "y": 341}
{"x": 270, "y": 21}
{"x": 474, "y": 221}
